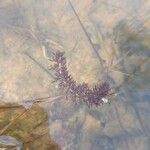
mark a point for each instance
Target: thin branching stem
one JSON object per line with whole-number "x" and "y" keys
{"x": 34, "y": 101}
{"x": 84, "y": 30}
{"x": 36, "y": 62}
{"x": 12, "y": 122}
{"x": 121, "y": 125}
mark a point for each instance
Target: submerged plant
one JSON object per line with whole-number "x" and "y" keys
{"x": 78, "y": 92}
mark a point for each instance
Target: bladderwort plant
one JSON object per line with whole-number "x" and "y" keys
{"x": 78, "y": 92}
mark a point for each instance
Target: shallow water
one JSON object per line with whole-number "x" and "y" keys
{"x": 103, "y": 41}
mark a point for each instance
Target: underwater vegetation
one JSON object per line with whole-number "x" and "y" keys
{"x": 78, "y": 92}
{"x": 96, "y": 94}
{"x": 29, "y": 127}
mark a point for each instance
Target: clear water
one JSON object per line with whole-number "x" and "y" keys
{"x": 88, "y": 31}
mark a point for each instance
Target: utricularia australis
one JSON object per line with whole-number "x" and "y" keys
{"x": 95, "y": 96}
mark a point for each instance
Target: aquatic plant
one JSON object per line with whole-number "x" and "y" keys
{"x": 78, "y": 92}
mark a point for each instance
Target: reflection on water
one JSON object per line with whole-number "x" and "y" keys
{"x": 102, "y": 41}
